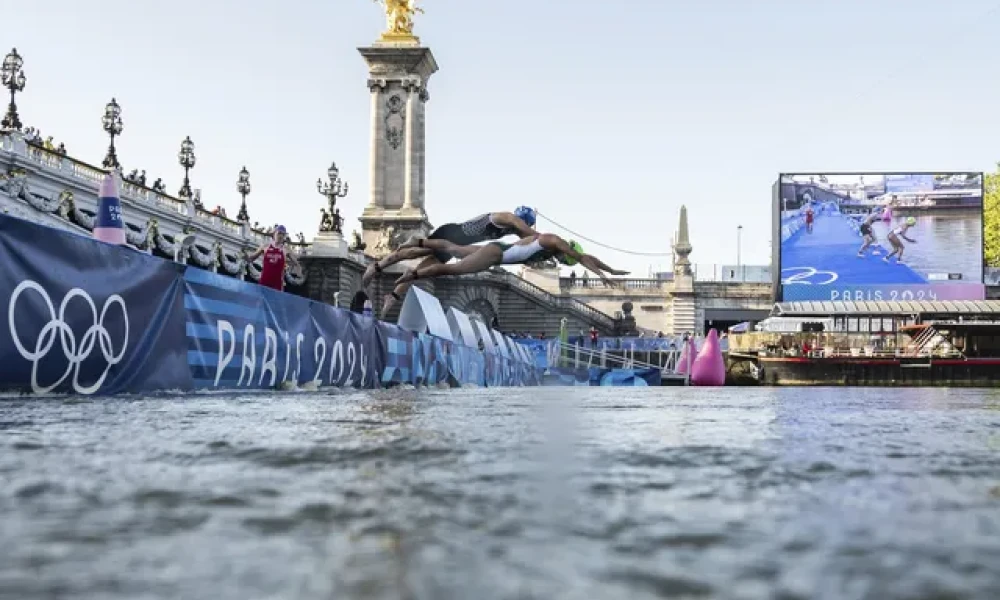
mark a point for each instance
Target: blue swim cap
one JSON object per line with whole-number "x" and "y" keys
{"x": 526, "y": 214}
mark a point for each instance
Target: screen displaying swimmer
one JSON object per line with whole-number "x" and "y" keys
{"x": 880, "y": 236}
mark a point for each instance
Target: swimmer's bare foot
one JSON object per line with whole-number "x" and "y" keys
{"x": 407, "y": 277}
{"x": 370, "y": 272}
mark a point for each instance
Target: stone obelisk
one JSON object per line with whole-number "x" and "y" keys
{"x": 398, "y": 71}
{"x": 683, "y": 310}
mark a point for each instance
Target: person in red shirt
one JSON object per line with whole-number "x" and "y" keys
{"x": 809, "y": 218}
{"x": 276, "y": 258}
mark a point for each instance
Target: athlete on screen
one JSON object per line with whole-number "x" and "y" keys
{"x": 809, "y": 218}
{"x": 866, "y": 231}
{"x": 894, "y": 239}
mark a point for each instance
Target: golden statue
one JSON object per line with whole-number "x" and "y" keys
{"x": 399, "y": 18}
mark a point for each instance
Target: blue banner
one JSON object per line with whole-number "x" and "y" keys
{"x": 243, "y": 335}
{"x": 70, "y": 330}
{"x": 148, "y": 324}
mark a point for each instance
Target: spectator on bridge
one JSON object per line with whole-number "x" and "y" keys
{"x": 572, "y": 278}
{"x": 593, "y": 337}
{"x": 276, "y": 259}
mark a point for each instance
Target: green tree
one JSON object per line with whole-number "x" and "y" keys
{"x": 991, "y": 217}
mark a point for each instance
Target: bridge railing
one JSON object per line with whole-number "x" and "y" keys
{"x": 91, "y": 176}
{"x": 579, "y": 283}
{"x": 580, "y": 356}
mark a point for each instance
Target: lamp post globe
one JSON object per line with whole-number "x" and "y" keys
{"x": 331, "y": 190}
{"x": 243, "y": 187}
{"x": 12, "y": 77}
{"x": 186, "y": 158}
{"x": 113, "y": 126}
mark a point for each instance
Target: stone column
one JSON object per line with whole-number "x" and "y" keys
{"x": 376, "y": 194}
{"x": 411, "y": 185}
{"x": 422, "y": 150}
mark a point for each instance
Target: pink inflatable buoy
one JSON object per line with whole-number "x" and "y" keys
{"x": 709, "y": 368}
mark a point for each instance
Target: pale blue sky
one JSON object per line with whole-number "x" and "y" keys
{"x": 605, "y": 115}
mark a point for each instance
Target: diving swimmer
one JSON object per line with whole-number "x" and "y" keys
{"x": 484, "y": 228}
{"x": 530, "y": 249}
{"x": 897, "y": 246}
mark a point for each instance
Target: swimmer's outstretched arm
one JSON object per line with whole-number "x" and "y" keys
{"x": 512, "y": 221}
{"x": 590, "y": 262}
{"x": 604, "y": 266}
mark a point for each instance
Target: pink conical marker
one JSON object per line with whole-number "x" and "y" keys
{"x": 109, "y": 226}
{"x": 709, "y": 368}
{"x": 887, "y": 214}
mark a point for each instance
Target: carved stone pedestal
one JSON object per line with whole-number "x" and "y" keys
{"x": 329, "y": 244}
{"x": 398, "y": 75}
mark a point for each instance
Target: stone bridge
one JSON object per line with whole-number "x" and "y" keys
{"x": 716, "y": 303}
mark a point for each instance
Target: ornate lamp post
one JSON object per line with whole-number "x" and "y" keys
{"x": 187, "y": 159}
{"x": 243, "y": 187}
{"x": 13, "y": 79}
{"x": 112, "y": 122}
{"x": 331, "y": 190}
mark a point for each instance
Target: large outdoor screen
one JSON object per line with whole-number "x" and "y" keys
{"x": 880, "y": 237}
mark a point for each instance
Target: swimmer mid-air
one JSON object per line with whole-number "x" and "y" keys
{"x": 530, "y": 249}
{"x": 897, "y": 246}
{"x": 484, "y": 228}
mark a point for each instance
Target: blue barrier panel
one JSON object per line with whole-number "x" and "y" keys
{"x": 539, "y": 350}
{"x": 86, "y": 317}
{"x": 597, "y": 376}
{"x": 147, "y": 324}
{"x": 245, "y": 335}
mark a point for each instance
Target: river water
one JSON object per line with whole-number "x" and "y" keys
{"x": 526, "y": 493}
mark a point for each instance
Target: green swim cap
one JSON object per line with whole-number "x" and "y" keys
{"x": 568, "y": 261}
{"x": 911, "y": 221}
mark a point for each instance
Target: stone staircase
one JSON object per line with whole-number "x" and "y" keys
{"x": 520, "y": 305}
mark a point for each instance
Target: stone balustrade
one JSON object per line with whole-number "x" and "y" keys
{"x": 61, "y": 191}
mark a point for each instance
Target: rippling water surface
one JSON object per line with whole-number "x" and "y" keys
{"x": 478, "y": 494}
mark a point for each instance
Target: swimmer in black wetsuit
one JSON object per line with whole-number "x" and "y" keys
{"x": 530, "y": 249}
{"x": 484, "y": 228}
{"x": 867, "y": 233}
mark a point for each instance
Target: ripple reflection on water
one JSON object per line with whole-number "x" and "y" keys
{"x": 572, "y": 493}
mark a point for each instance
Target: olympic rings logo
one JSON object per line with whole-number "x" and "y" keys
{"x": 807, "y": 275}
{"x": 75, "y": 351}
